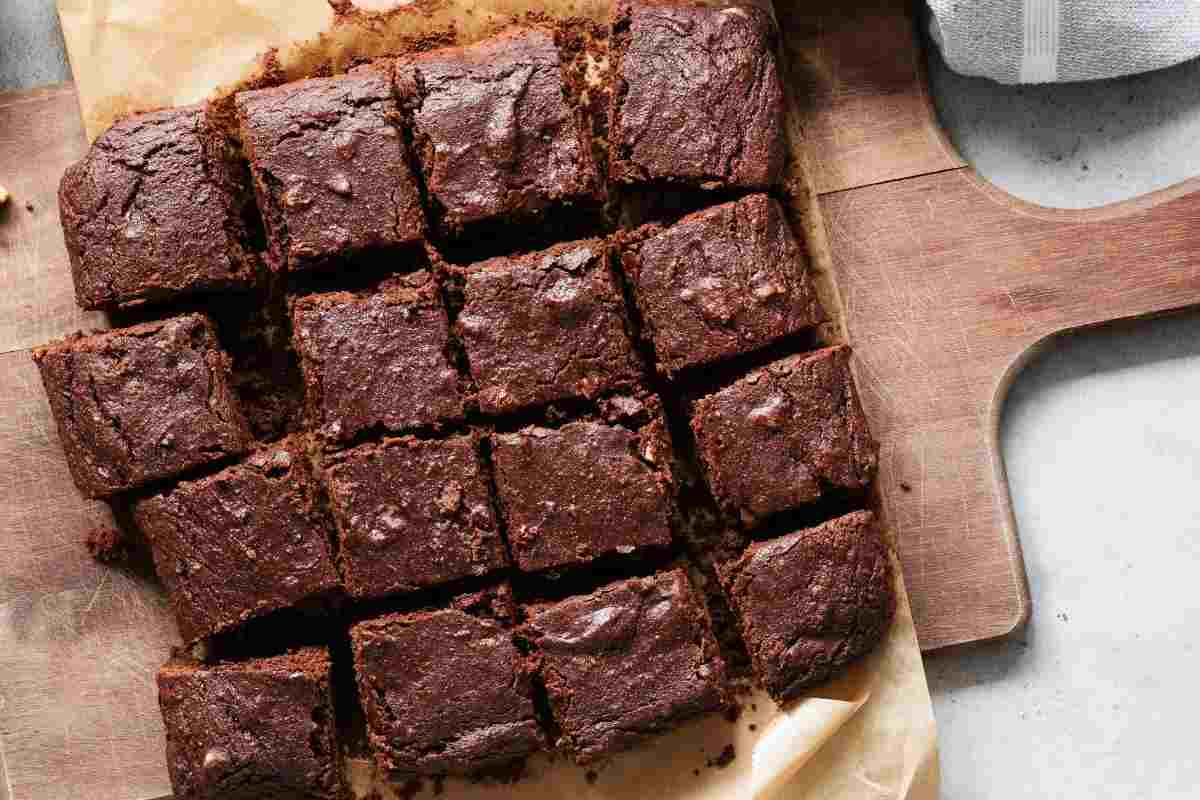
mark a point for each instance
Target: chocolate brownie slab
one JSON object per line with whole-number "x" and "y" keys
{"x": 446, "y": 691}
{"x": 329, "y": 167}
{"x": 493, "y": 130}
{"x": 142, "y": 403}
{"x": 251, "y": 730}
{"x": 246, "y": 541}
{"x": 722, "y": 281}
{"x": 545, "y": 326}
{"x": 812, "y": 601}
{"x": 631, "y": 660}
{"x": 155, "y": 211}
{"x": 785, "y": 434}
{"x": 412, "y": 513}
{"x": 698, "y": 99}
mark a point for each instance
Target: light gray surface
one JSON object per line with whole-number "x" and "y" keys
{"x": 1102, "y": 444}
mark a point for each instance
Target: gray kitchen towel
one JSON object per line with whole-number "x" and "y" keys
{"x": 1042, "y": 41}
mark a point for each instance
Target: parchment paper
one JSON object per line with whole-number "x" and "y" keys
{"x": 869, "y": 735}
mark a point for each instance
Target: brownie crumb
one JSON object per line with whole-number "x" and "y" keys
{"x": 905, "y": 487}
{"x": 723, "y": 759}
{"x": 29, "y": 207}
{"x": 591, "y": 775}
{"x": 106, "y": 544}
{"x": 753, "y": 727}
{"x": 696, "y": 772}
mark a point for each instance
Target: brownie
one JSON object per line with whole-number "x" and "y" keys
{"x": 545, "y": 326}
{"x": 698, "y": 99}
{"x": 155, "y": 211}
{"x": 142, "y": 403}
{"x": 812, "y": 601}
{"x": 251, "y": 730}
{"x": 784, "y": 435}
{"x": 446, "y": 691}
{"x": 412, "y": 513}
{"x": 329, "y": 166}
{"x": 493, "y": 130}
{"x": 376, "y": 360}
{"x": 631, "y": 660}
{"x": 720, "y": 282}
{"x": 239, "y": 544}
{"x": 585, "y": 490}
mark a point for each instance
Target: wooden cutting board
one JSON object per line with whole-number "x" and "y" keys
{"x": 948, "y": 286}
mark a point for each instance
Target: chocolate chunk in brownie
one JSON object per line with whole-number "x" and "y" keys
{"x": 143, "y": 403}
{"x": 812, "y": 601}
{"x": 631, "y": 660}
{"x": 545, "y": 326}
{"x": 585, "y": 490}
{"x": 250, "y": 730}
{"x": 446, "y": 691}
{"x": 412, "y": 513}
{"x": 783, "y": 435}
{"x": 698, "y": 98}
{"x": 246, "y": 541}
{"x": 330, "y": 168}
{"x": 155, "y": 211}
{"x": 493, "y": 129}
{"x": 379, "y": 359}
{"x": 720, "y": 282}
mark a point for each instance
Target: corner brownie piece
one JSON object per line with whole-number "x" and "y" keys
{"x": 493, "y": 129}
{"x": 584, "y": 490}
{"x": 720, "y": 282}
{"x": 785, "y": 434}
{"x": 631, "y": 660}
{"x": 251, "y": 730}
{"x": 545, "y": 326}
{"x": 811, "y": 602}
{"x": 446, "y": 691}
{"x": 154, "y": 211}
{"x": 372, "y": 360}
{"x": 412, "y": 513}
{"x": 329, "y": 167}
{"x": 142, "y": 403}
{"x": 236, "y": 545}
{"x": 698, "y": 99}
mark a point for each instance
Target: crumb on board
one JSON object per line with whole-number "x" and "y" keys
{"x": 723, "y": 759}
{"x": 106, "y": 544}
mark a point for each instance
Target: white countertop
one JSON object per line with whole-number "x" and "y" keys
{"x": 1101, "y": 439}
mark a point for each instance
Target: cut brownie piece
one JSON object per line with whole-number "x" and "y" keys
{"x": 698, "y": 98}
{"x": 784, "y": 434}
{"x": 141, "y": 403}
{"x": 584, "y": 490}
{"x": 722, "y": 281}
{"x": 329, "y": 167}
{"x": 633, "y": 659}
{"x": 545, "y": 326}
{"x": 154, "y": 211}
{"x": 250, "y": 730}
{"x": 493, "y": 129}
{"x": 446, "y": 691}
{"x": 236, "y": 545}
{"x": 376, "y": 360}
{"x": 811, "y": 602}
{"x": 412, "y": 513}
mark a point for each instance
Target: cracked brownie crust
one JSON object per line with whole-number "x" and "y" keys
{"x": 143, "y": 403}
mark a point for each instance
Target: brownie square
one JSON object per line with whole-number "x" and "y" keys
{"x": 142, "y": 403}
{"x": 585, "y": 490}
{"x": 239, "y": 544}
{"x": 720, "y": 282}
{"x": 154, "y": 211}
{"x": 812, "y": 601}
{"x": 698, "y": 98}
{"x": 329, "y": 167}
{"x": 545, "y": 326}
{"x": 784, "y": 435}
{"x": 493, "y": 129}
{"x": 631, "y": 660}
{"x": 377, "y": 360}
{"x": 446, "y": 691}
{"x": 250, "y": 730}
{"x": 412, "y": 513}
